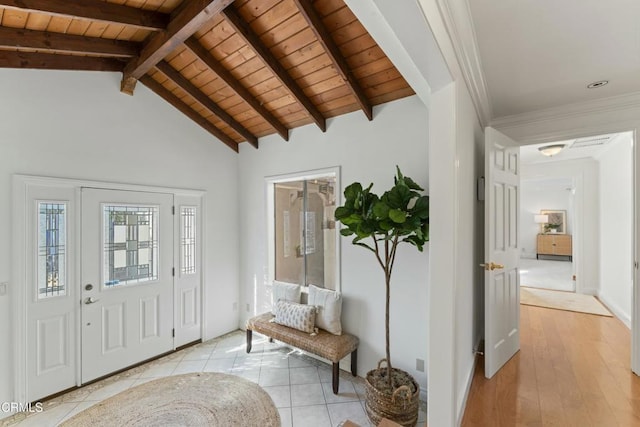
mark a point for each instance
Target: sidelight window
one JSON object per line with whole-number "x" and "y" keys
{"x": 52, "y": 243}
{"x": 187, "y": 240}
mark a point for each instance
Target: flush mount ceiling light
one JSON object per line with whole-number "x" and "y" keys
{"x": 551, "y": 150}
{"x": 597, "y": 84}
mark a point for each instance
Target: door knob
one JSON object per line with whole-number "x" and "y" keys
{"x": 492, "y": 266}
{"x": 90, "y": 300}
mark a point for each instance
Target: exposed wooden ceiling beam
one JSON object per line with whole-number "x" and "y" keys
{"x": 188, "y": 19}
{"x": 49, "y": 61}
{"x": 324, "y": 37}
{"x": 244, "y": 30}
{"x": 165, "y": 94}
{"x": 57, "y": 42}
{"x": 206, "y": 102}
{"x": 194, "y": 45}
{"x": 95, "y": 10}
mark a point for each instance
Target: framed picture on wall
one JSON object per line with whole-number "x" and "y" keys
{"x": 557, "y": 221}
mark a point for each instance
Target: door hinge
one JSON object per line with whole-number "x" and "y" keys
{"x": 173, "y": 210}
{"x": 173, "y": 332}
{"x": 173, "y": 271}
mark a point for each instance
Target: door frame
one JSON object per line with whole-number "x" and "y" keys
{"x": 20, "y": 185}
{"x": 528, "y": 133}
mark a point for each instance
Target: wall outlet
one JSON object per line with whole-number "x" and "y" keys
{"x": 248, "y": 307}
{"x": 419, "y": 365}
{"x": 3, "y": 288}
{"x": 235, "y": 306}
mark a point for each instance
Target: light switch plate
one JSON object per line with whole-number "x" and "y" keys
{"x": 3, "y": 288}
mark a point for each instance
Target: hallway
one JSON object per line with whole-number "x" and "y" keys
{"x": 573, "y": 369}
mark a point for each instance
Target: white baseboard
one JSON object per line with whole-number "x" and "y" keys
{"x": 528, "y": 255}
{"x": 615, "y": 309}
{"x": 463, "y": 403}
{"x": 589, "y": 291}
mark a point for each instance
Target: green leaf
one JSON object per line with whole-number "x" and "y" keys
{"x": 416, "y": 241}
{"x": 399, "y": 197}
{"x": 342, "y": 212}
{"x": 364, "y": 245}
{"x": 346, "y": 232}
{"x": 399, "y": 177}
{"x": 397, "y": 216}
{"x": 412, "y": 184}
{"x": 352, "y": 191}
{"x": 381, "y": 210}
{"x": 386, "y": 225}
{"x": 421, "y": 207}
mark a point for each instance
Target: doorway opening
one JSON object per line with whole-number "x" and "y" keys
{"x": 577, "y": 219}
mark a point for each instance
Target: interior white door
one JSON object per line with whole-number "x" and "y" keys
{"x": 502, "y": 250}
{"x": 127, "y": 279}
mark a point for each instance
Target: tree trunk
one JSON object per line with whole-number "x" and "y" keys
{"x": 386, "y": 326}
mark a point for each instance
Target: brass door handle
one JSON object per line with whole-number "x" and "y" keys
{"x": 492, "y": 266}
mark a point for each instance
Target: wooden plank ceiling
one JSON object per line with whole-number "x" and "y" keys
{"x": 240, "y": 69}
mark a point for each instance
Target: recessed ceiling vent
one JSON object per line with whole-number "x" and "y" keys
{"x": 591, "y": 141}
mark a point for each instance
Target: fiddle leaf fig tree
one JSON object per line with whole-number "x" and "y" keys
{"x": 380, "y": 224}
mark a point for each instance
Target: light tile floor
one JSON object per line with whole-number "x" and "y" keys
{"x": 299, "y": 385}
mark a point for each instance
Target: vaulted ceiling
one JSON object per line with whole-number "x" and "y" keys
{"x": 241, "y": 69}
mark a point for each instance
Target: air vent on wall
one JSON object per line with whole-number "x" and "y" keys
{"x": 591, "y": 141}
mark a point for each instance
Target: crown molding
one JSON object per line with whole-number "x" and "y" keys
{"x": 601, "y": 105}
{"x": 604, "y": 115}
{"x": 456, "y": 15}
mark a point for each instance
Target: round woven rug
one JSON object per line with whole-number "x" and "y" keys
{"x": 198, "y": 399}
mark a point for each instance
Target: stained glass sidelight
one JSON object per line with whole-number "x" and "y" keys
{"x": 52, "y": 239}
{"x": 130, "y": 244}
{"x": 188, "y": 240}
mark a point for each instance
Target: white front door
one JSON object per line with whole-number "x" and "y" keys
{"x": 127, "y": 279}
{"x": 502, "y": 250}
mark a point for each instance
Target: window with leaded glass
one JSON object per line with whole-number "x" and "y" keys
{"x": 130, "y": 244}
{"x": 52, "y": 249}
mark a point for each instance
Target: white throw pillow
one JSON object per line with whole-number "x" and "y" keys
{"x": 328, "y": 308}
{"x": 298, "y": 316}
{"x": 284, "y": 291}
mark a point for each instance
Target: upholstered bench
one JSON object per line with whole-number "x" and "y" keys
{"x": 324, "y": 344}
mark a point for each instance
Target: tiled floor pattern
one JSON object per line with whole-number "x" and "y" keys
{"x": 300, "y": 386}
{"x": 547, "y": 274}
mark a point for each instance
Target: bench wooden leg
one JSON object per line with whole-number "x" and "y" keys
{"x": 249, "y": 336}
{"x": 336, "y": 377}
{"x": 354, "y": 362}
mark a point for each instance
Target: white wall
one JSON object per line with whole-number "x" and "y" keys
{"x": 616, "y": 226}
{"x": 79, "y": 125}
{"x": 586, "y": 218}
{"x": 537, "y": 195}
{"x": 366, "y": 152}
{"x": 469, "y": 297}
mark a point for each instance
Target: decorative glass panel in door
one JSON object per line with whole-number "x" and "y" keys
{"x": 130, "y": 244}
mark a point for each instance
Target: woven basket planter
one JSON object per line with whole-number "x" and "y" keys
{"x": 401, "y": 406}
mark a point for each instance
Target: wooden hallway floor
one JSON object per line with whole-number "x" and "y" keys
{"x": 573, "y": 369}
